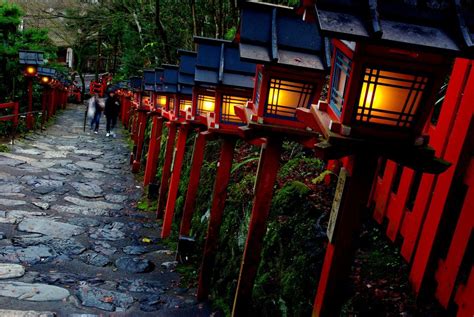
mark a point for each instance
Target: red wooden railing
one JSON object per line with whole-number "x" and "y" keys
{"x": 15, "y": 110}
{"x": 416, "y": 207}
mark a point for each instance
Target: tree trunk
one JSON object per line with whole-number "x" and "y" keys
{"x": 193, "y": 13}
{"x": 99, "y": 54}
{"x": 160, "y": 32}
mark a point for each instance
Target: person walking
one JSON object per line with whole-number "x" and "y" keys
{"x": 97, "y": 114}
{"x": 112, "y": 109}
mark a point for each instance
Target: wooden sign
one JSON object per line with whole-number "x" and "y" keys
{"x": 336, "y": 203}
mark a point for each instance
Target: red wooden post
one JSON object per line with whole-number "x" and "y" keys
{"x": 269, "y": 165}
{"x": 448, "y": 269}
{"x": 166, "y": 171}
{"x": 140, "y": 139}
{"x": 16, "y": 113}
{"x": 194, "y": 176}
{"x": 382, "y": 190}
{"x": 153, "y": 150}
{"x": 51, "y": 102}
{"x": 397, "y": 207}
{"x": 174, "y": 182}
{"x": 340, "y": 251}
{"x": 44, "y": 102}
{"x": 443, "y": 184}
{"x": 29, "y": 115}
{"x": 217, "y": 209}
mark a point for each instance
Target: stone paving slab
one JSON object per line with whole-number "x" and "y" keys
{"x": 23, "y": 313}
{"x": 32, "y": 292}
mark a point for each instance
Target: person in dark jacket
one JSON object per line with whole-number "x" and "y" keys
{"x": 112, "y": 109}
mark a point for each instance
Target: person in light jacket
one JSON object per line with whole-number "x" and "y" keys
{"x": 97, "y": 113}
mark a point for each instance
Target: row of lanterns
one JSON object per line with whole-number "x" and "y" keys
{"x": 55, "y": 85}
{"x": 266, "y": 86}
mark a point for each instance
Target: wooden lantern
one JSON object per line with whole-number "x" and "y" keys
{"x": 378, "y": 92}
{"x": 292, "y": 68}
{"x": 46, "y": 75}
{"x": 187, "y": 65}
{"x": 220, "y": 70}
{"x": 389, "y": 61}
{"x": 31, "y": 60}
{"x": 170, "y": 88}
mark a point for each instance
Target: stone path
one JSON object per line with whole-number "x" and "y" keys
{"x": 71, "y": 239}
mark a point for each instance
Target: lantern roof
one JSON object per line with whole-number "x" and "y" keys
{"x": 433, "y": 25}
{"x": 187, "y": 68}
{"x": 170, "y": 78}
{"x": 46, "y": 71}
{"x": 274, "y": 34}
{"x": 149, "y": 79}
{"x": 136, "y": 83}
{"x": 31, "y": 58}
{"x": 158, "y": 82}
{"x": 218, "y": 63}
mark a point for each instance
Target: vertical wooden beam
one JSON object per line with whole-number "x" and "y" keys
{"x": 166, "y": 171}
{"x": 174, "y": 182}
{"x": 397, "y": 206}
{"x": 217, "y": 209}
{"x": 29, "y": 115}
{"x": 194, "y": 176}
{"x": 44, "y": 101}
{"x": 52, "y": 101}
{"x": 448, "y": 268}
{"x": 140, "y": 139}
{"x": 382, "y": 191}
{"x": 153, "y": 150}
{"x": 267, "y": 172}
{"x": 340, "y": 251}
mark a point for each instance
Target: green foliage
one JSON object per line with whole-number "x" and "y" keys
{"x": 4, "y": 148}
{"x": 10, "y": 16}
{"x": 146, "y": 205}
{"x": 287, "y": 277}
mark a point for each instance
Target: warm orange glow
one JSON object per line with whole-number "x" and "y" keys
{"x": 228, "y": 107}
{"x": 31, "y": 70}
{"x": 206, "y": 104}
{"x": 285, "y": 96}
{"x": 161, "y": 101}
{"x": 390, "y": 98}
{"x": 185, "y": 104}
{"x": 45, "y": 79}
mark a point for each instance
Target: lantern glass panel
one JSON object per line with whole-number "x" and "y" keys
{"x": 340, "y": 77}
{"x": 390, "y": 98}
{"x": 160, "y": 101}
{"x": 285, "y": 96}
{"x": 185, "y": 104}
{"x": 228, "y": 111}
{"x": 205, "y": 104}
{"x": 171, "y": 104}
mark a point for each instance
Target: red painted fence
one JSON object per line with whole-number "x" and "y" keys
{"x": 15, "y": 110}
{"x": 433, "y": 216}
